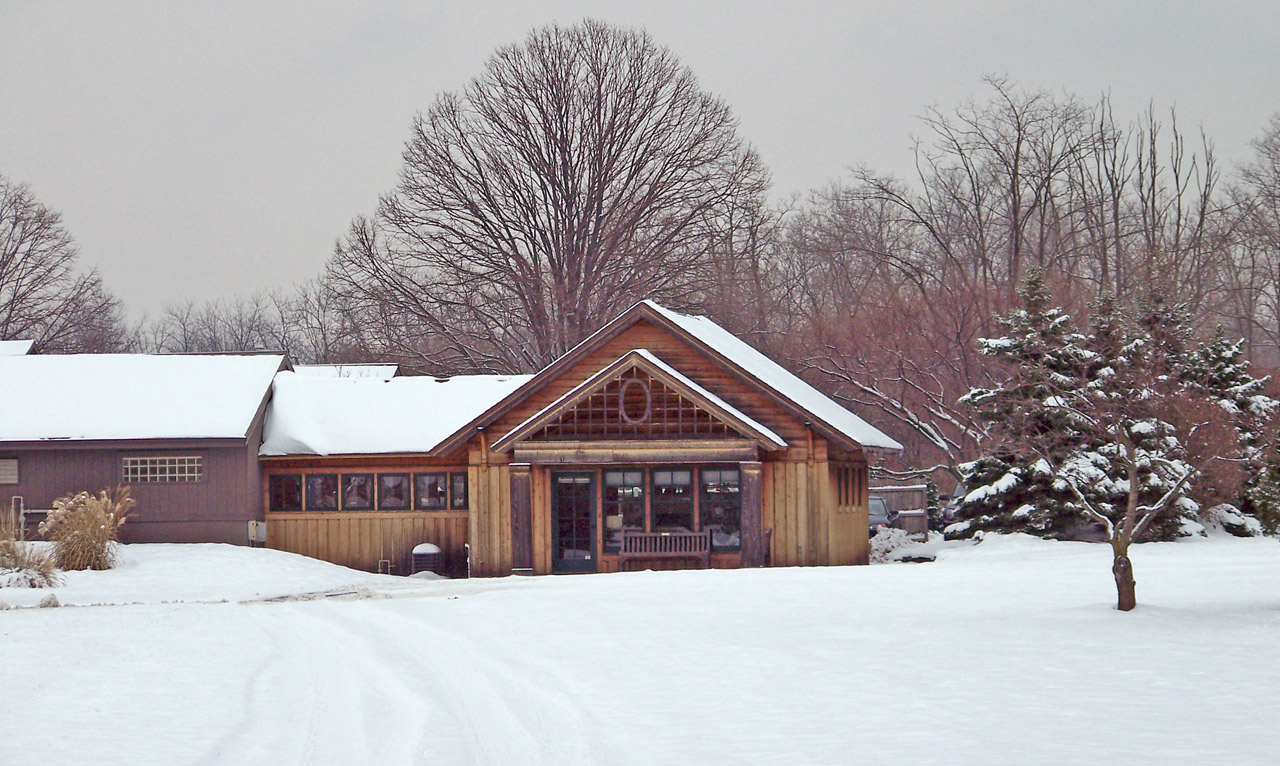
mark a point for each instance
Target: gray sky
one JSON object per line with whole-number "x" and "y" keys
{"x": 202, "y": 150}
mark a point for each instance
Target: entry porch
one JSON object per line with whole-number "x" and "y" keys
{"x": 617, "y": 517}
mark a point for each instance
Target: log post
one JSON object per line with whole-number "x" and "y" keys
{"x": 521, "y": 520}
{"x": 752, "y": 515}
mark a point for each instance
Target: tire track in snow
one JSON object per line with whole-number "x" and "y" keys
{"x": 502, "y": 712}
{"x": 358, "y": 681}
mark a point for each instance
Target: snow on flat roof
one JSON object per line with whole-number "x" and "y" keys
{"x": 775, "y": 376}
{"x": 15, "y": 347}
{"x": 346, "y": 416}
{"x": 379, "y": 371}
{"x": 131, "y": 396}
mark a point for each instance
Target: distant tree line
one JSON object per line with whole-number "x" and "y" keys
{"x": 585, "y": 168}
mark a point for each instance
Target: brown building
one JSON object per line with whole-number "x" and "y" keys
{"x": 182, "y": 430}
{"x": 660, "y": 441}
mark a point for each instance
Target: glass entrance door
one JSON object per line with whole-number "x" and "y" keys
{"x": 573, "y": 529}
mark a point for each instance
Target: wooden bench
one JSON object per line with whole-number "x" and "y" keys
{"x": 664, "y": 546}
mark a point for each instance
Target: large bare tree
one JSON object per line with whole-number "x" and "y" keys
{"x": 585, "y": 168}
{"x": 44, "y": 296}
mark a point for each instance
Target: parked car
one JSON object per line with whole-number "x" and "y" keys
{"x": 879, "y": 515}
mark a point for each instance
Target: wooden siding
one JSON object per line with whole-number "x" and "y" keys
{"x": 492, "y": 553}
{"x": 799, "y": 494}
{"x": 798, "y": 485}
{"x": 216, "y": 508}
{"x": 360, "y": 539}
{"x": 675, "y": 352}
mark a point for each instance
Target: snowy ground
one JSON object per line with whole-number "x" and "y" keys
{"x": 1004, "y": 652}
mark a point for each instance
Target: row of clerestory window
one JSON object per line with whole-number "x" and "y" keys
{"x": 429, "y": 491}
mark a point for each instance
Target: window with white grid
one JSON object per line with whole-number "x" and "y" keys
{"x": 145, "y": 470}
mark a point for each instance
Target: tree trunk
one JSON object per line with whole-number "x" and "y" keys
{"x": 1122, "y": 568}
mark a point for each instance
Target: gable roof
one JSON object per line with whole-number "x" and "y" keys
{"x": 15, "y": 347}
{"x": 822, "y": 408}
{"x": 132, "y": 396}
{"x": 788, "y": 390}
{"x": 645, "y": 360}
{"x": 347, "y": 416}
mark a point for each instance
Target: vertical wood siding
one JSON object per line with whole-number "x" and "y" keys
{"x": 214, "y": 509}
{"x": 361, "y": 539}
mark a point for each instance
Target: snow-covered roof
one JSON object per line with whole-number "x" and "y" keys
{"x": 768, "y": 372}
{"x": 595, "y": 380}
{"x": 379, "y": 371}
{"x": 347, "y": 416}
{"x": 15, "y": 347}
{"x": 132, "y": 396}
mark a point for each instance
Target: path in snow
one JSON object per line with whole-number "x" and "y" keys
{"x": 1005, "y": 652}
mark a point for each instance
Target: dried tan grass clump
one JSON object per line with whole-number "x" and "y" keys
{"x": 23, "y": 565}
{"x": 9, "y": 526}
{"x": 85, "y": 528}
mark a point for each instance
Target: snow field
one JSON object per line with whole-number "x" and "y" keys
{"x": 1007, "y": 651}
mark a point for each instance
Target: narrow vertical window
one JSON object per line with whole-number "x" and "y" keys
{"x": 720, "y": 507}
{"x": 458, "y": 491}
{"x": 623, "y": 506}
{"x": 672, "y": 500}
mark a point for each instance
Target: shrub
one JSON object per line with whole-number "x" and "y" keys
{"x": 888, "y": 540}
{"x": 85, "y": 528}
{"x": 1229, "y": 519}
{"x": 23, "y": 565}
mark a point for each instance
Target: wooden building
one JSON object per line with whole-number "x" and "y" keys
{"x": 182, "y": 430}
{"x": 660, "y": 441}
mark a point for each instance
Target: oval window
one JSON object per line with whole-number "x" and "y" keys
{"x": 636, "y": 404}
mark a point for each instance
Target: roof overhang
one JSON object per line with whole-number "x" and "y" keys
{"x": 639, "y": 312}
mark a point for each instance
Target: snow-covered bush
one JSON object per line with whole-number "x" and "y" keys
{"x": 22, "y": 564}
{"x": 1229, "y": 519}
{"x": 85, "y": 528}
{"x": 886, "y": 541}
{"x": 1262, "y": 495}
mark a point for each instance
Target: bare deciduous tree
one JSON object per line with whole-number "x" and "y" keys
{"x": 44, "y": 296}
{"x": 584, "y": 169}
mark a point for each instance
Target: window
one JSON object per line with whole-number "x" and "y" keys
{"x": 673, "y": 500}
{"x": 720, "y": 507}
{"x": 8, "y": 470}
{"x": 393, "y": 491}
{"x": 458, "y": 490}
{"x": 322, "y": 492}
{"x": 430, "y": 491}
{"x": 623, "y": 505}
{"x": 149, "y": 470}
{"x": 285, "y": 491}
{"x": 357, "y": 492}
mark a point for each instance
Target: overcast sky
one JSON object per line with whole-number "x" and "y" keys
{"x": 203, "y": 151}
